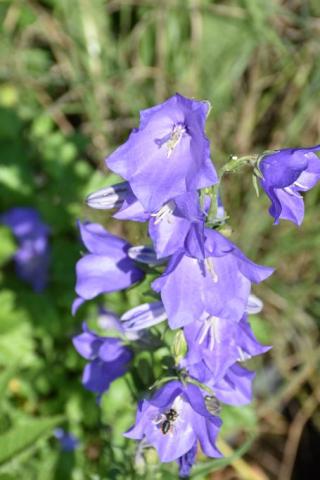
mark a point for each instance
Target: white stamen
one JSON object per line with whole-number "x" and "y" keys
{"x": 292, "y": 192}
{"x": 209, "y": 264}
{"x": 209, "y": 328}
{"x": 243, "y": 355}
{"x": 299, "y": 185}
{"x": 164, "y": 212}
{"x": 176, "y": 135}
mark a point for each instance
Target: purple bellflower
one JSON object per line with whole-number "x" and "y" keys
{"x": 106, "y": 268}
{"x": 218, "y": 285}
{"x": 108, "y": 359}
{"x": 219, "y": 343}
{"x": 174, "y": 420}
{"x": 235, "y": 388}
{"x": 32, "y": 257}
{"x": 150, "y": 314}
{"x": 169, "y": 227}
{"x": 286, "y": 173}
{"x": 177, "y": 225}
{"x": 168, "y": 154}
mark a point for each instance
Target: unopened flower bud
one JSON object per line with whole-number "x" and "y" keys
{"x": 179, "y": 346}
{"x": 108, "y": 197}
{"x": 145, "y": 255}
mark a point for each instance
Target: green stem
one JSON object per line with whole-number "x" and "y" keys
{"x": 237, "y": 162}
{"x": 163, "y": 380}
{"x": 230, "y": 167}
{"x": 200, "y": 385}
{"x": 214, "y": 203}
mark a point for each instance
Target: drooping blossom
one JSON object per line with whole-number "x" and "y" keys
{"x": 220, "y": 343}
{"x": 234, "y": 388}
{"x": 174, "y": 420}
{"x": 286, "y": 174}
{"x": 177, "y": 225}
{"x": 150, "y": 314}
{"x": 106, "y": 268}
{"x": 32, "y": 257}
{"x": 108, "y": 359}
{"x": 168, "y": 154}
{"x": 218, "y": 285}
{"x": 169, "y": 227}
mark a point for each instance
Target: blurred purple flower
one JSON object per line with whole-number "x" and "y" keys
{"x": 106, "y": 268}
{"x": 286, "y": 173}
{"x": 32, "y": 257}
{"x": 168, "y": 154}
{"x": 218, "y": 285}
{"x": 66, "y": 439}
{"x": 174, "y": 420}
{"x": 108, "y": 356}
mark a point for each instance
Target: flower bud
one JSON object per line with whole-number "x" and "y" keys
{"x": 179, "y": 346}
{"x": 143, "y": 316}
{"x": 254, "y": 305}
{"x": 145, "y": 255}
{"x": 108, "y": 197}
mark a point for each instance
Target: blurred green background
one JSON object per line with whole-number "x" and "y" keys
{"x": 73, "y": 76}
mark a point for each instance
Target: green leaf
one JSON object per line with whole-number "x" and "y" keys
{"x": 7, "y": 245}
{"x": 22, "y": 437}
{"x": 238, "y": 418}
{"x": 5, "y": 377}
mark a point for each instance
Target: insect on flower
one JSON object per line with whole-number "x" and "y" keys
{"x": 166, "y": 420}
{"x": 212, "y": 404}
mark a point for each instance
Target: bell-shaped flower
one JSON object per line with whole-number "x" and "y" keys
{"x": 218, "y": 285}
{"x": 176, "y": 224}
{"x": 174, "y": 420}
{"x": 107, "y": 267}
{"x": 285, "y": 174}
{"x": 169, "y": 226}
{"x": 219, "y": 343}
{"x": 32, "y": 257}
{"x": 108, "y": 359}
{"x": 234, "y": 388}
{"x": 168, "y": 154}
{"x": 150, "y": 314}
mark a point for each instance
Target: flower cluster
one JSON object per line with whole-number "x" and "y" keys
{"x": 202, "y": 281}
